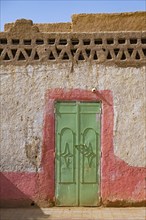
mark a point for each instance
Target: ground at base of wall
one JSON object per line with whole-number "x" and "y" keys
{"x": 123, "y": 203}
{"x": 50, "y": 204}
{"x": 74, "y": 213}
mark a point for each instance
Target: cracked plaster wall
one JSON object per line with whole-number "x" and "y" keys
{"x": 23, "y": 99}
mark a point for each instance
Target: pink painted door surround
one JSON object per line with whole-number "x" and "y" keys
{"x": 105, "y": 97}
{"x": 113, "y": 191}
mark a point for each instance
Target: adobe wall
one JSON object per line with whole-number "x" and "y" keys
{"x": 130, "y": 21}
{"x": 109, "y": 22}
{"x": 27, "y": 82}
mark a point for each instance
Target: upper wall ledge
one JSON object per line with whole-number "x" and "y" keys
{"x": 24, "y": 43}
{"x": 131, "y": 21}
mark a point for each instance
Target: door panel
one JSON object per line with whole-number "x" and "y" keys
{"x": 77, "y": 153}
{"x": 66, "y": 186}
{"x": 89, "y": 135}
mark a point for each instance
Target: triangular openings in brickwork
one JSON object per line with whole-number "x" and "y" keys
{"x": 95, "y": 56}
{"x": 123, "y": 56}
{"x": 6, "y": 57}
{"x": 81, "y": 57}
{"x": 65, "y": 56}
{"x": 109, "y": 57}
{"x": 137, "y": 57}
{"x": 58, "y": 51}
{"x": 21, "y": 56}
{"x": 51, "y": 56}
{"x": 88, "y": 51}
{"x": 14, "y": 52}
{"x": 28, "y": 51}
{"x": 130, "y": 51}
{"x": 116, "y": 51}
{"x": 36, "y": 56}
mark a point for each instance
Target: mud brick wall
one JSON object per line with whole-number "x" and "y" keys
{"x": 39, "y": 65}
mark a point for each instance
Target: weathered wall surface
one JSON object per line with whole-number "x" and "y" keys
{"x": 109, "y": 22}
{"x": 95, "y": 23}
{"x": 23, "y": 91}
{"x": 50, "y": 27}
{"x": 23, "y": 108}
{"x": 37, "y": 68}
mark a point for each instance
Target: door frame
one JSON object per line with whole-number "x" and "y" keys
{"x": 77, "y": 105}
{"x": 48, "y": 150}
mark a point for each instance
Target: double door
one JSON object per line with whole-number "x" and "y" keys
{"x": 77, "y": 163}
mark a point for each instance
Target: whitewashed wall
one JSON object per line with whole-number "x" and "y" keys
{"x": 22, "y": 108}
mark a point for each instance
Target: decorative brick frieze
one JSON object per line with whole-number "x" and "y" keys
{"x": 121, "y": 48}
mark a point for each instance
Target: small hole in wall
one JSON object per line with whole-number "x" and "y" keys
{"x": 86, "y": 41}
{"x": 36, "y": 157}
{"x": 39, "y": 42}
{"x": 121, "y": 41}
{"x": 74, "y": 41}
{"x": 62, "y": 41}
{"x": 51, "y": 41}
{"x": 27, "y": 42}
{"x": 15, "y": 41}
{"x": 32, "y": 204}
{"x": 98, "y": 41}
{"x": 3, "y": 41}
{"x": 110, "y": 41}
{"x": 133, "y": 41}
{"x": 143, "y": 40}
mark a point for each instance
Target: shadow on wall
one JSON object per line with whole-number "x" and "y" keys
{"x": 9, "y": 190}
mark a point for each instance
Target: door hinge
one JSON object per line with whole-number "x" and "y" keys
{"x": 54, "y": 154}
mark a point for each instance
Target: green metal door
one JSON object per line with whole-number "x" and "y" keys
{"x": 77, "y": 153}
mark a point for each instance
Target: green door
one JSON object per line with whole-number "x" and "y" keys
{"x": 77, "y": 154}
